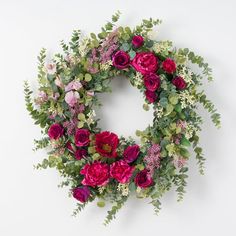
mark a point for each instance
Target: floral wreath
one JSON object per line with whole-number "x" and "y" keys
{"x": 98, "y": 164}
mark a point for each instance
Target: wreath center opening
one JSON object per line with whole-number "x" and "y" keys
{"x": 122, "y": 109}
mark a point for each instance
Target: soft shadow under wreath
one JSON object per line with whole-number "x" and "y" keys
{"x": 98, "y": 164}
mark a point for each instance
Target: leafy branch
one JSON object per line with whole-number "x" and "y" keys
{"x": 210, "y": 107}
{"x": 111, "y": 215}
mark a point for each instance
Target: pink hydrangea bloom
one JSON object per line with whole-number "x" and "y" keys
{"x": 71, "y": 98}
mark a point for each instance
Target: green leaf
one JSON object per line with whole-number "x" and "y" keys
{"x": 101, "y": 204}
{"x": 185, "y": 142}
{"x": 87, "y": 77}
{"x": 164, "y": 101}
{"x": 125, "y": 47}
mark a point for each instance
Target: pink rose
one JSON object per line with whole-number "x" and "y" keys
{"x": 55, "y": 131}
{"x": 143, "y": 179}
{"x": 121, "y": 171}
{"x": 152, "y": 82}
{"x": 131, "y": 153}
{"x": 150, "y": 96}
{"x": 82, "y": 137}
{"x": 179, "y": 83}
{"x": 137, "y": 41}
{"x": 121, "y": 60}
{"x": 80, "y": 153}
{"x": 71, "y": 98}
{"x": 145, "y": 62}
{"x": 81, "y": 193}
{"x": 95, "y": 174}
{"x": 169, "y": 66}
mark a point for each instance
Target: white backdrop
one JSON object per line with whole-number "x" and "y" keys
{"x": 31, "y": 203}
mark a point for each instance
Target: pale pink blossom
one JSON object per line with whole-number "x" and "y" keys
{"x": 59, "y": 83}
{"x": 73, "y": 85}
{"x": 90, "y": 93}
{"x": 71, "y": 98}
{"x": 55, "y": 96}
{"x": 179, "y": 162}
{"x": 51, "y": 68}
{"x": 42, "y": 97}
{"x": 182, "y": 124}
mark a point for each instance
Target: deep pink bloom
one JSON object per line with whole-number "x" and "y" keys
{"x": 152, "y": 82}
{"x": 121, "y": 171}
{"x": 80, "y": 153}
{"x": 131, "y": 153}
{"x": 81, "y": 193}
{"x": 179, "y": 83}
{"x": 82, "y": 137}
{"x": 95, "y": 174}
{"x": 106, "y": 144}
{"x": 145, "y": 62}
{"x": 55, "y": 131}
{"x": 70, "y": 147}
{"x": 169, "y": 66}
{"x": 150, "y": 96}
{"x": 143, "y": 179}
{"x": 137, "y": 41}
{"x": 121, "y": 60}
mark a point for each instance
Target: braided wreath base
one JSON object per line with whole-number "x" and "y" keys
{"x": 98, "y": 164}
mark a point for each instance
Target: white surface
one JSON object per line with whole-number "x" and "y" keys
{"x": 31, "y": 203}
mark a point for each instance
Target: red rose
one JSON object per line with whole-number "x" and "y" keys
{"x": 150, "y": 96}
{"x": 179, "y": 83}
{"x": 152, "y": 82}
{"x": 145, "y": 62}
{"x": 82, "y": 137}
{"x": 106, "y": 144}
{"x": 131, "y": 153}
{"x": 121, "y": 60}
{"x": 137, "y": 41}
{"x": 143, "y": 179}
{"x": 121, "y": 171}
{"x": 169, "y": 66}
{"x": 80, "y": 153}
{"x": 95, "y": 174}
{"x": 55, "y": 131}
{"x": 81, "y": 193}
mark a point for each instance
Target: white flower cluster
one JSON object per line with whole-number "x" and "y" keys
{"x": 91, "y": 116}
{"x": 123, "y": 188}
{"x": 83, "y": 47}
{"x": 162, "y": 47}
{"x": 159, "y": 112}
{"x": 186, "y": 99}
{"x": 106, "y": 66}
{"x": 186, "y": 74}
{"x": 101, "y": 189}
{"x": 138, "y": 79}
{"x": 190, "y": 129}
